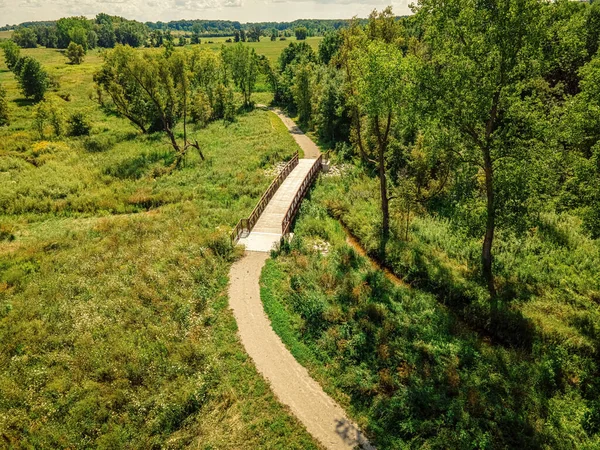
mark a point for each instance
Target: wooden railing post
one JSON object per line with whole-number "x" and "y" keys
{"x": 295, "y": 205}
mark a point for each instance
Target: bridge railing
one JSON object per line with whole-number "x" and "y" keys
{"x": 306, "y": 183}
{"x": 246, "y": 225}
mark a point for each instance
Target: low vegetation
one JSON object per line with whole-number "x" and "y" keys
{"x": 114, "y": 327}
{"x": 409, "y": 369}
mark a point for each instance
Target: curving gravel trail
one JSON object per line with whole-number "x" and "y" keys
{"x": 324, "y": 419}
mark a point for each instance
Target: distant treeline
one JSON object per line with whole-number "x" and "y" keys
{"x": 205, "y": 28}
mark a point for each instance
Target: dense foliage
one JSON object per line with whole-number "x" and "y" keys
{"x": 468, "y": 140}
{"x": 412, "y": 372}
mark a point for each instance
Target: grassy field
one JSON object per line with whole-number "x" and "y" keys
{"x": 271, "y": 49}
{"x": 409, "y": 369}
{"x": 114, "y": 327}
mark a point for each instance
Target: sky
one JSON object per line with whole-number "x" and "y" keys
{"x": 18, "y": 11}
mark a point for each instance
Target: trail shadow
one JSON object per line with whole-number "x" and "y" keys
{"x": 351, "y": 434}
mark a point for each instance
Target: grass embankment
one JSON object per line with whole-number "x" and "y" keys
{"x": 415, "y": 372}
{"x": 114, "y": 327}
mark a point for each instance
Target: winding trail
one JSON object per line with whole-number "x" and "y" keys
{"x": 291, "y": 383}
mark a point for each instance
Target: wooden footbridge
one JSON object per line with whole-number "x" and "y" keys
{"x": 273, "y": 216}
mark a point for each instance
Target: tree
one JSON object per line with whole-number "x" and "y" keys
{"x": 75, "y": 53}
{"x": 329, "y": 46}
{"x": 196, "y": 30}
{"x": 131, "y": 33}
{"x": 294, "y": 52}
{"x": 25, "y": 37}
{"x": 243, "y": 63}
{"x": 79, "y": 35}
{"x": 149, "y": 86}
{"x": 73, "y": 29}
{"x": 242, "y": 36}
{"x": 582, "y": 135}
{"x": 106, "y": 31}
{"x": 156, "y": 38}
{"x": 92, "y": 39}
{"x": 274, "y": 34}
{"x": 332, "y": 116}
{"x": 254, "y": 34}
{"x": 302, "y": 90}
{"x": 4, "y": 118}
{"x": 236, "y": 36}
{"x": 32, "y": 78}
{"x": 374, "y": 68}
{"x": 12, "y": 53}
{"x": 483, "y": 58}
{"x": 106, "y": 35}
{"x": 301, "y": 33}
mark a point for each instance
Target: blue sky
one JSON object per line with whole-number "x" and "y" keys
{"x": 17, "y": 11}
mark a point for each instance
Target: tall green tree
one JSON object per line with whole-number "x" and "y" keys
{"x": 254, "y": 34}
{"x": 374, "y": 68}
{"x": 147, "y": 87}
{"x": 482, "y": 60}
{"x": 303, "y": 91}
{"x": 25, "y": 37}
{"x": 12, "y": 53}
{"x": 243, "y": 64}
{"x": 32, "y": 78}
{"x": 301, "y": 33}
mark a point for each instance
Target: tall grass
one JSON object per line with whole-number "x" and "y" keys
{"x": 411, "y": 371}
{"x": 114, "y": 327}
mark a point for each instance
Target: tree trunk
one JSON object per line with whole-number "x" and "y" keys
{"x": 385, "y": 208}
{"x": 486, "y": 253}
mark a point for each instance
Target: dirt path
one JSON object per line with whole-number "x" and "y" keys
{"x": 324, "y": 419}
{"x": 311, "y": 151}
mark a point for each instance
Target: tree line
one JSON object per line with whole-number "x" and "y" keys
{"x": 106, "y": 31}
{"x": 486, "y": 113}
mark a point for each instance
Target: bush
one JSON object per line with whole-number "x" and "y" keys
{"x": 32, "y": 78}
{"x": 79, "y": 125}
{"x": 98, "y": 144}
{"x": 200, "y": 110}
{"x": 75, "y": 53}
{"x": 48, "y": 113}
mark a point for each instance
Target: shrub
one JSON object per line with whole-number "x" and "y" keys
{"x": 79, "y": 125}
{"x": 75, "y": 53}
{"x": 32, "y": 78}
{"x": 3, "y": 107}
{"x": 98, "y": 144}
{"x": 48, "y": 113}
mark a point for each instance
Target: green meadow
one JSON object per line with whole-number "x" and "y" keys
{"x": 114, "y": 326}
